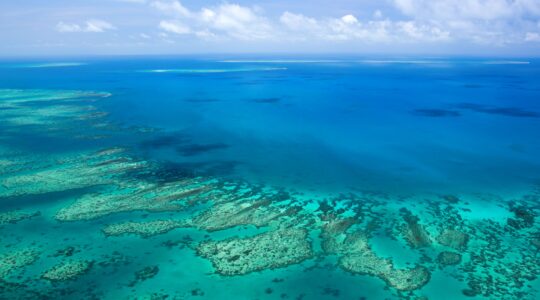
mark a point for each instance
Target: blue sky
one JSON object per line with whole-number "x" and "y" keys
{"x": 71, "y": 27}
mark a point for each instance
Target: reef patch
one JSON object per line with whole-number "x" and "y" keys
{"x": 276, "y": 249}
{"x": 143, "y": 229}
{"x": 67, "y": 270}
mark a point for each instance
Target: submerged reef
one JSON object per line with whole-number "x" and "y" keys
{"x": 144, "y": 274}
{"x": 414, "y": 233}
{"x": 448, "y": 258}
{"x": 453, "y": 239}
{"x": 12, "y": 217}
{"x": 144, "y": 229}
{"x": 230, "y": 214}
{"x": 18, "y": 259}
{"x": 269, "y": 250}
{"x": 67, "y": 270}
{"x": 356, "y": 256}
{"x": 142, "y": 197}
{"x": 51, "y": 113}
{"x": 79, "y": 171}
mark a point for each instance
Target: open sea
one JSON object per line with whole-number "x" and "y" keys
{"x": 250, "y": 177}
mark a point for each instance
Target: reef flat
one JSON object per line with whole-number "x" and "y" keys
{"x": 270, "y": 250}
{"x": 107, "y": 210}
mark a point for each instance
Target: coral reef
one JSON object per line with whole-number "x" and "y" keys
{"x": 75, "y": 172}
{"x": 448, "y": 258}
{"x": 401, "y": 279}
{"x": 67, "y": 270}
{"x": 12, "y": 217}
{"x": 67, "y": 252}
{"x": 141, "y": 197}
{"x": 144, "y": 229}
{"x": 144, "y": 274}
{"x": 454, "y": 239}
{"x": 523, "y": 217}
{"x": 414, "y": 233}
{"x": 16, "y": 260}
{"x": 356, "y": 256}
{"x": 269, "y": 250}
{"x": 48, "y": 112}
{"x": 230, "y": 214}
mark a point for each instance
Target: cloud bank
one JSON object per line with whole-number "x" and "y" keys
{"x": 95, "y": 26}
{"x": 190, "y": 26}
{"x": 496, "y": 22}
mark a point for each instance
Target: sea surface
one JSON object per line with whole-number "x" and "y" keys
{"x": 257, "y": 177}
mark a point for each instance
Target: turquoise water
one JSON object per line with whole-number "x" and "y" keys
{"x": 260, "y": 178}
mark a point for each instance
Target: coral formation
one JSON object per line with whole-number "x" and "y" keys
{"x": 356, "y": 256}
{"x": 144, "y": 229}
{"x": 144, "y": 274}
{"x": 67, "y": 270}
{"x": 454, "y": 239}
{"x": 12, "y": 217}
{"x": 523, "y": 217}
{"x": 16, "y": 260}
{"x": 448, "y": 258}
{"x": 270, "y": 250}
{"x": 140, "y": 197}
{"x": 414, "y": 233}
{"x": 230, "y": 214}
{"x": 67, "y": 252}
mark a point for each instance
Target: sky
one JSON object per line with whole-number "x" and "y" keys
{"x": 385, "y": 27}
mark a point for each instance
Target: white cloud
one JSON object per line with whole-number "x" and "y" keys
{"x": 236, "y": 21}
{"x": 207, "y": 15}
{"x": 206, "y": 35}
{"x": 222, "y": 21}
{"x": 349, "y": 19}
{"x": 171, "y": 7}
{"x": 423, "y": 32}
{"x": 65, "y": 27}
{"x": 133, "y": 1}
{"x": 298, "y": 22}
{"x": 463, "y": 9}
{"x": 381, "y": 31}
{"x": 495, "y": 22}
{"x": 532, "y": 37}
{"x": 174, "y": 27}
{"x": 98, "y": 26}
{"x": 93, "y": 25}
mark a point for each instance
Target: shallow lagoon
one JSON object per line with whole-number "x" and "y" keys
{"x": 293, "y": 179}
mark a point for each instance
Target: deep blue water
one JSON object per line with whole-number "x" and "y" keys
{"x": 414, "y": 123}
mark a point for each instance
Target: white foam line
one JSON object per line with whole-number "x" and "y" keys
{"x": 402, "y": 62}
{"x": 52, "y": 65}
{"x": 208, "y": 71}
{"x": 281, "y": 61}
{"x": 507, "y": 62}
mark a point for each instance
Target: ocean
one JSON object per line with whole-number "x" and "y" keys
{"x": 256, "y": 177}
